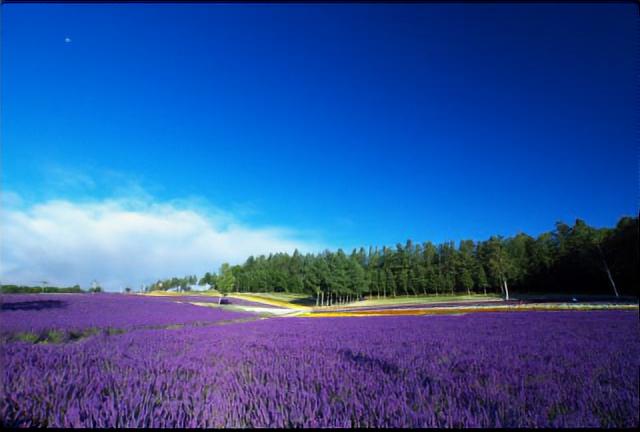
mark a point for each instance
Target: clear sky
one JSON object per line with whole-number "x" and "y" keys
{"x": 310, "y": 126}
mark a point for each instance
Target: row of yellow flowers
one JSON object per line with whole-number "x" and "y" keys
{"x": 463, "y": 310}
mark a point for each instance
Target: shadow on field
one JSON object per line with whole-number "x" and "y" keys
{"x": 33, "y": 305}
{"x": 364, "y": 360}
{"x": 306, "y": 301}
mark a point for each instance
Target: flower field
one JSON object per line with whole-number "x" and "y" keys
{"x": 73, "y": 312}
{"x": 527, "y": 369}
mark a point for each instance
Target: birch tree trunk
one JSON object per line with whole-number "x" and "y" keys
{"x": 613, "y": 284}
{"x": 606, "y": 269}
{"x": 506, "y": 289}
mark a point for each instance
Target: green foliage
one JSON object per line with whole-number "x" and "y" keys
{"x": 184, "y": 283}
{"x": 226, "y": 279}
{"x": 499, "y": 263}
{"x": 20, "y": 289}
{"x": 481, "y": 278}
{"x": 27, "y": 337}
{"x": 54, "y": 336}
{"x": 74, "y": 335}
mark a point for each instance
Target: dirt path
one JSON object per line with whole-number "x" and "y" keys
{"x": 251, "y": 309}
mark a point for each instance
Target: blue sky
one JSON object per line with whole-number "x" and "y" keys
{"x": 341, "y": 125}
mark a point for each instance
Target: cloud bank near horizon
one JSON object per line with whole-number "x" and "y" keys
{"x": 126, "y": 242}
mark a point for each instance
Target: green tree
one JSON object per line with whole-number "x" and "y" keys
{"x": 465, "y": 265}
{"x": 390, "y": 284}
{"x": 481, "y": 279}
{"x": 226, "y": 280}
{"x": 500, "y": 266}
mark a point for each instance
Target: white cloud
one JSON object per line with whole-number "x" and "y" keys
{"x": 123, "y": 242}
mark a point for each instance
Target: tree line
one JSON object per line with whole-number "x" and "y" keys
{"x": 22, "y": 289}
{"x": 183, "y": 284}
{"x": 567, "y": 260}
{"x": 577, "y": 259}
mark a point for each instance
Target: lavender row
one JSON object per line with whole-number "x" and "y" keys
{"x": 531, "y": 369}
{"x": 65, "y": 312}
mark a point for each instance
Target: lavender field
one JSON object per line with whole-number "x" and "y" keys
{"x": 527, "y": 369}
{"x": 74, "y": 312}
